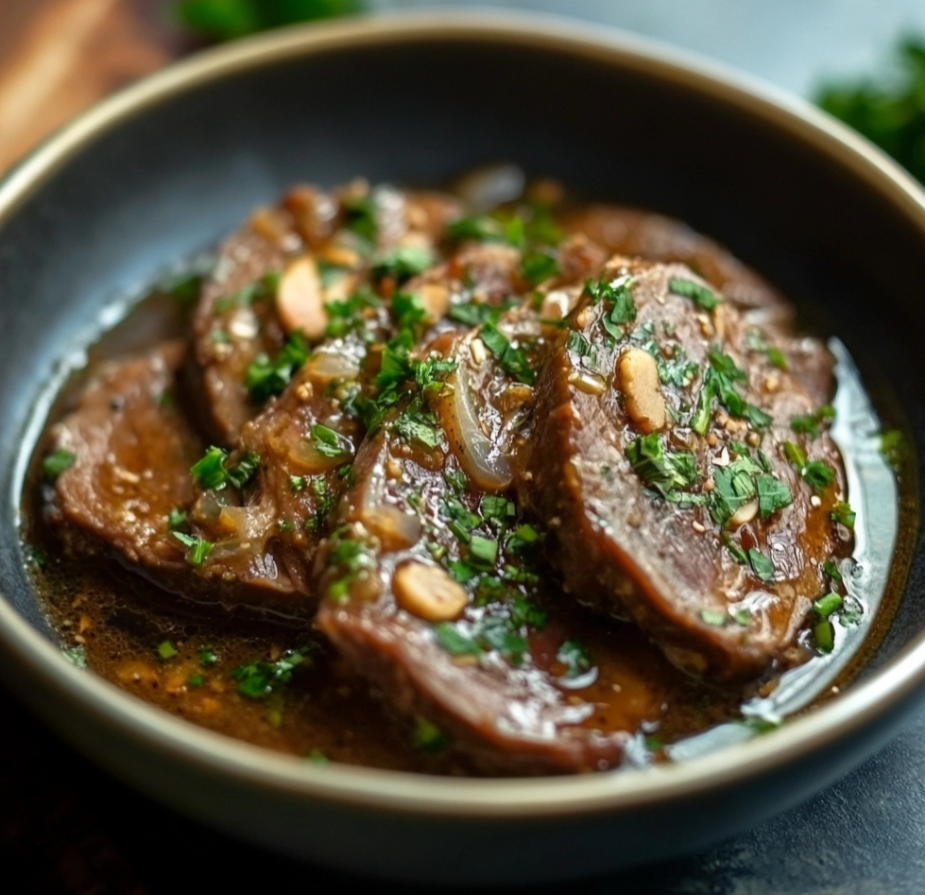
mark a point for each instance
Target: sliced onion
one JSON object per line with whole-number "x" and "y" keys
{"x": 325, "y": 366}
{"x": 485, "y": 464}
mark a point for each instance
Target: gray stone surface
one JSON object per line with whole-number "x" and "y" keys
{"x": 791, "y": 43}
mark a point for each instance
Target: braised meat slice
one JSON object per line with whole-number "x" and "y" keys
{"x": 679, "y": 454}
{"x": 278, "y": 276}
{"x": 631, "y": 232}
{"x": 297, "y": 452}
{"x": 126, "y": 483}
{"x": 430, "y": 590}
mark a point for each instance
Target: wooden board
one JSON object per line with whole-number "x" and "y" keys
{"x": 57, "y": 57}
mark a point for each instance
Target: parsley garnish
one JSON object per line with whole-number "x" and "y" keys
{"x": 56, "y": 462}
{"x": 176, "y": 519}
{"x": 402, "y": 264}
{"x": 213, "y": 472}
{"x": 735, "y": 486}
{"x": 576, "y": 658}
{"x": 843, "y": 514}
{"x": 808, "y": 424}
{"x": 894, "y": 448}
{"x": 258, "y": 679}
{"x": 773, "y": 495}
{"x": 265, "y": 378}
{"x": 700, "y": 295}
{"x": 828, "y": 604}
{"x": 197, "y": 549}
{"x": 428, "y": 737}
{"x": 761, "y": 565}
{"x": 347, "y": 316}
{"x": 818, "y": 474}
{"x": 537, "y": 267}
{"x": 659, "y": 468}
{"x": 327, "y": 442}
{"x": 512, "y": 360}
{"x": 166, "y": 650}
{"x": 76, "y": 655}
{"x": 720, "y": 382}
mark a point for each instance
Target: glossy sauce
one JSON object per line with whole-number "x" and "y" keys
{"x": 153, "y": 645}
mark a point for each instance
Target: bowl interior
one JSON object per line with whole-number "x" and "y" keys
{"x": 417, "y": 106}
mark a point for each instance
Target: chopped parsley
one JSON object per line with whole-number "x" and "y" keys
{"x": 700, "y": 295}
{"x": 660, "y": 469}
{"x": 714, "y": 617}
{"x": 817, "y": 474}
{"x": 350, "y": 557}
{"x": 623, "y": 311}
{"x": 328, "y": 443}
{"x": 402, "y": 264}
{"x": 720, "y": 381}
{"x": 259, "y": 679}
{"x": 843, "y": 514}
{"x": 166, "y": 650}
{"x": 828, "y": 604}
{"x": 427, "y": 737}
{"x": 471, "y": 313}
{"x": 737, "y": 485}
{"x": 894, "y": 448}
{"x": 76, "y": 655}
{"x": 808, "y": 424}
{"x": 197, "y": 549}
{"x": 266, "y": 377}
{"x": 536, "y": 267}
{"x": 56, "y": 462}
{"x": 773, "y": 495}
{"x": 176, "y": 519}
{"x": 761, "y": 565}
{"x": 362, "y": 218}
{"x": 325, "y": 500}
{"x": 511, "y": 359}
{"x": 213, "y": 472}
{"x": 576, "y": 658}
{"x": 346, "y": 316}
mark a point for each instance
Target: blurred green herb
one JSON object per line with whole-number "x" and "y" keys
{"x": 231, "y": 19}
{"x": 890, "y": 109}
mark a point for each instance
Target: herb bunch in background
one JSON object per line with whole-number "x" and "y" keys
{"x": 889, "y": 111}
{"x": 230, "y": 19}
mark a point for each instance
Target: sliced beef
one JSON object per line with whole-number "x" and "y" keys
{"x": 634, "y": 233}
{"x": 276, "y": 274}
{"x": 304, "y": 441}
{"x": 430, "y": 588}
{"x": 132, "y": 450}
{"x": 665, "y": 458}
{"x": 452, "y": 635}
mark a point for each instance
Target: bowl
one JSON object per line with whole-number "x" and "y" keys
{"x": 171, "y": 164}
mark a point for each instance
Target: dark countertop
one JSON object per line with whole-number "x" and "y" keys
{"x": 66, "y": 826}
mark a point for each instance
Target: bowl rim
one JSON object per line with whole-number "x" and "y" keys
{"x": 896, "y": 682}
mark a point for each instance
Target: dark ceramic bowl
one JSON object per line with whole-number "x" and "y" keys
{"x": 170, "y": 165}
